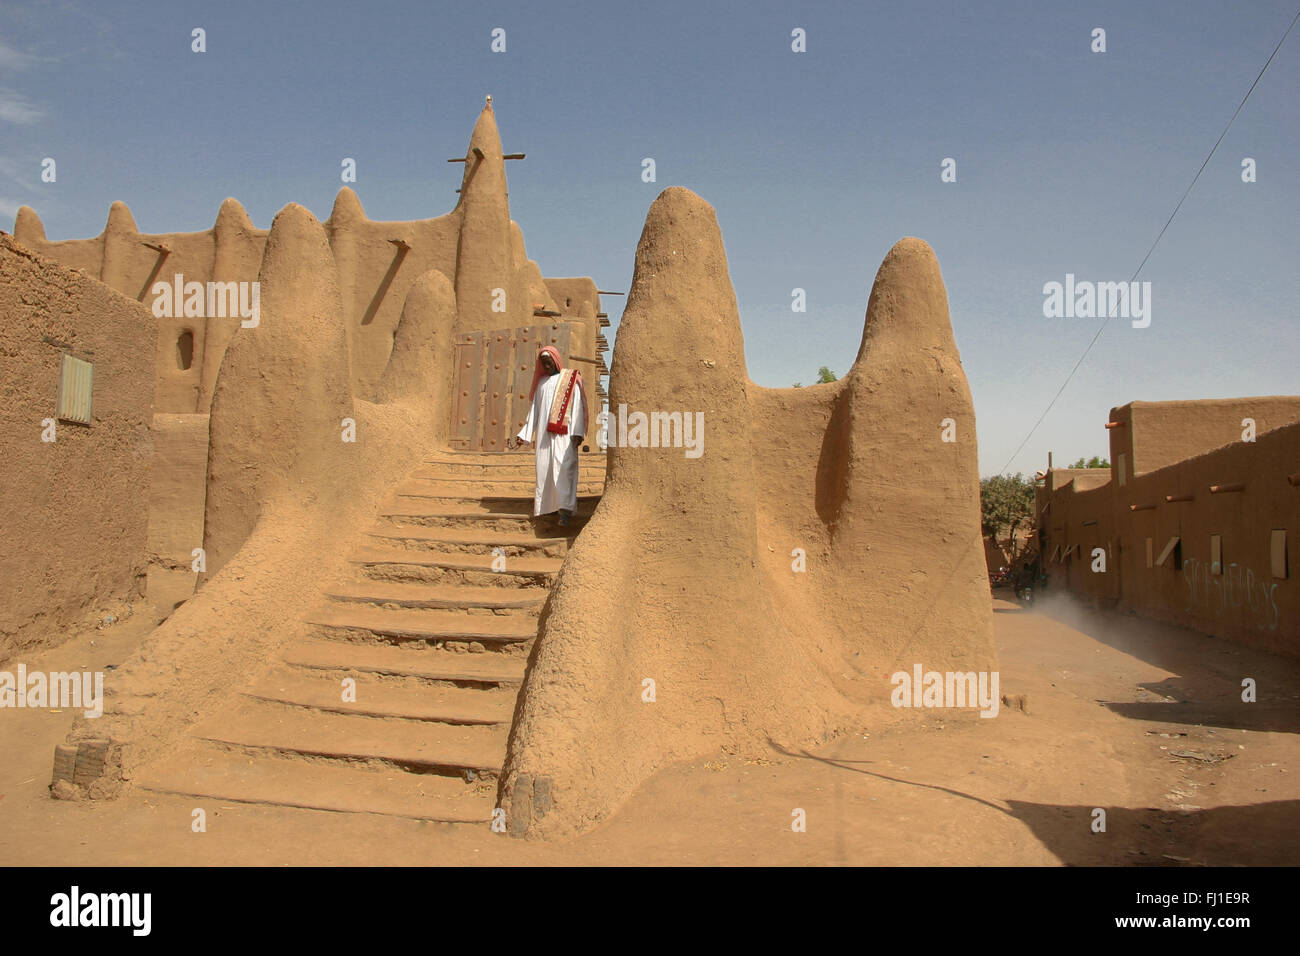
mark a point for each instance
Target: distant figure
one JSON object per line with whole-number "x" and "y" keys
{"x": 1027, "y": 576}
{"x": 557, "y": 423}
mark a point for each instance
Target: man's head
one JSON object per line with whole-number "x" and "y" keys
{"x": 548, "y": 363}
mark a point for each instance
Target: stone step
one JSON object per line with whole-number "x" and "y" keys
{"x": 415, "y": 594}
{"x": 469, "y": 540}
{"x": 412, "y": 661}
{"x": 430, "y": 747}
{"x": 544, "y": 568}
{"x": 379, "y": 697}
{"x": 422, "y": 624}
{"x": 205, "y": 771}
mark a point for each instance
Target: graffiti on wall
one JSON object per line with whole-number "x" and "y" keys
{"x": 1236, "y": 587}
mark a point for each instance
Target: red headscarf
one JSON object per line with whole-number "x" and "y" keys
{"x": 539, "y": 371}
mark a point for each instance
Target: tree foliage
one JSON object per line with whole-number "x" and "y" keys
{"x": 1094, "y": 462}
{"x": 1006, "y": 503}
{"x": 824, "y": 377}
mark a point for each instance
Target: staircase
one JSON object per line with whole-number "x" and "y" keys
{"x": 434, "y": 625}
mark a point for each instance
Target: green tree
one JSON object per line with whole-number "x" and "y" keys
{"x": 824, "y": 377}
{"x": 1094, "y": 462}
{"x": 1006, "y": 503}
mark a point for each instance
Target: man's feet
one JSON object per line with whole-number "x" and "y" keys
{"x": 564, "y": 519}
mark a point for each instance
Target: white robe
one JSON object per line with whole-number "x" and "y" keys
{"x": 557, "y": 455}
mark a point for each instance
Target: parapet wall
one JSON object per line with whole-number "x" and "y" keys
{"x": 760, "y": 594}
{"x": 476, "y": 245}
{"x": 74, "y": 511}
{"x": 1152, "y": 435}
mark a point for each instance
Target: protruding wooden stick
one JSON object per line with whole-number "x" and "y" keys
{"x": 1220, "y": 489}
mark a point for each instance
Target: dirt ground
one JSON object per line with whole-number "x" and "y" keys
{"x": 1139, "y": 719}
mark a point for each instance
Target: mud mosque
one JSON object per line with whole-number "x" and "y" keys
{"x": 297, "y": 461}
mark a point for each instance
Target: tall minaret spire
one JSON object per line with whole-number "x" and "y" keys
{"x": 483, "y": 250}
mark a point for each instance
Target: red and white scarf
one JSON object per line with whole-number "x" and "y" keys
{"x": 560, "y": 419}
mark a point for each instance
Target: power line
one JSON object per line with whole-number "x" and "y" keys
{"x": 1138, "y": 271}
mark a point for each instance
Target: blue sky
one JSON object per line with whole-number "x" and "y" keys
{"x": 1068, "y": 161}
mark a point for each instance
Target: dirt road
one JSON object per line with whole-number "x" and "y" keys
{"x": 1140, "y": 720}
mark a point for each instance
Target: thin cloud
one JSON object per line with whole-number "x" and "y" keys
{"x": 16, "y": 108}
{"x": 15, "y": 173}
{"x": 11, "y": 59}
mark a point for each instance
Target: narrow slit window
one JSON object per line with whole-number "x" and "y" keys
{"x": 1277, "y": 553}
{"x": 185, "y": 350}
{"x": 1216, "y": 554}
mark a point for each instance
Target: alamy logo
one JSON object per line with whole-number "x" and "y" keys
{"x": 215, "y": 300}
{"x": 948, "y": 689}
{"x": 1094, "y": 300}
{"x": 656, "y": 430}
{"x": 55, "y": 689}
{"x": 103, "y": 909}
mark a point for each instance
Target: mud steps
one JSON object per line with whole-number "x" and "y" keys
{"x": 522, "y": 487}
{"x": 505, "y": 572}
{"x": 386, "y": 661}
{"x": 425, "y": 624}
{"x": 416, "y": 594}
{"x": 278, "y": 781}
{"x": 409, "y": 700}
{"x": 399, "y": 695}
{"x": 424, "y": 746}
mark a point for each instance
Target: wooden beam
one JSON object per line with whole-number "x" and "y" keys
{"x": 1294, "y": 479}
{"x": 478, "y": 153}
{"x": 513, "y": 156}
{"x": 603, "y": 292}
{"x": 1116, "y": 424}
{"x": 1187, "y": 497}
{"x": 1150, "y": 507}
{"x": 1221, "y": 489}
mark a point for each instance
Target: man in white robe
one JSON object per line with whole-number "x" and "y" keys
{"x": 557, "y": 424}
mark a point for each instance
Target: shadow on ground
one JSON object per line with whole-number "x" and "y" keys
{"x": 1207, "y": 693}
